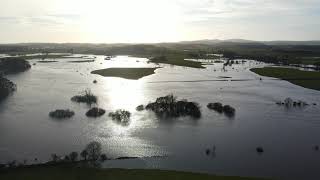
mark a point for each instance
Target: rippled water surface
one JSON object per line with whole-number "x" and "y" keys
{"x": 287, "y": 135}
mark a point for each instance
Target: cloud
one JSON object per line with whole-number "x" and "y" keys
{"x": 44, "y": 20}
{"x": 247, "y": 8}
{"x": 251, "y": 19}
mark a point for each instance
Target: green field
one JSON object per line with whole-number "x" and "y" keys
{"x": 127, "y": 73}
{"x": 307, "y": 79}
{"x": 177, "y": 60}
{"x": 67, "y": 172}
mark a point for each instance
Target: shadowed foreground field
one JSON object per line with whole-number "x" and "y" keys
{"x": 307, "y": 79}
{"x": 65, "y": 172}
{"x": 127, "y": 73}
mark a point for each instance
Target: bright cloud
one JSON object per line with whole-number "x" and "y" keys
{"x": 112, "y": 21}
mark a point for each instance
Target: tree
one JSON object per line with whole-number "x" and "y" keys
{"x": 317, "y": 64}
{"x": 73, "y": 156}
{"x": 103, "y": 157}
{"x": 55, "y": 157}
{"x": 66, "y": 158}
{"x": 94, "y": 150}
{"x": 84, "y": 154}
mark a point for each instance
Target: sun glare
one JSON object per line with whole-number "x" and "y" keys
{"x": 124, "y": 93}
{"x": 132, "y": 21}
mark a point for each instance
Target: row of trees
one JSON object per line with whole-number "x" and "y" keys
{"x": 92, "y": 152}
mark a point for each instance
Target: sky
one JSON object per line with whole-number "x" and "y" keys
{"x": 149, "y": 21}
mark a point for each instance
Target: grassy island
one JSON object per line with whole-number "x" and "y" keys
{"x": 177, "y": 60}
{"x": 126, "y": 73}
{"x": 307, "y": 79}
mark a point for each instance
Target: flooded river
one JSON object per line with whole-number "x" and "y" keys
{"x": 287, "y": 135}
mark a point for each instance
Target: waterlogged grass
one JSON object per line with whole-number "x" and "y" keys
{"x": 127, "y": 73}
{"x": 71, "y": 172}
{"x": 307, "y": 79}
{"x": 177, "y": 60}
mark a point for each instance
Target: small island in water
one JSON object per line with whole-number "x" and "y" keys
{"x": 126, "y": 73}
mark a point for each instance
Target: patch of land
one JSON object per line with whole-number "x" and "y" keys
{"x": 12, "y": 65}
{"x": 6, "y": 87}
{"x": 177, "y": 59}
{"x": 126, "y": 73}
{"x": 72, "y": 172}
{"x": 46, "y": 56}
{"x": 46, "y": 61}
{"x": 83, "y": 61}
{"x": 307, "y": 79}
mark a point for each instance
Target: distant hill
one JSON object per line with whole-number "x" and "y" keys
{"x": 244, "y": 41}
{"x": 195, "y": 42}
{"x": 308, "y": 43}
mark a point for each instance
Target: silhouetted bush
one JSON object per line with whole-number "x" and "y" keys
{"x": 216, "y": 106}
{"x": 95, "y": 112}
{"x": 140, "y": 108}
{"x": 259, "y": 150}
{"x": 85, "y": 97}
{"x": 169, "y": 107}
{"x": 121, "y": 116}
{"x": 61, "y": 113}
{"x": 288, "y": 102}
{"x": 228, "y": 110}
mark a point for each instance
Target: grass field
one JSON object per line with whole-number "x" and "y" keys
{"x": 67, "y": 172}
{"x": 307, "y": 79}
{"x": 178, "y": 60}
{"x": 127, "y": 73}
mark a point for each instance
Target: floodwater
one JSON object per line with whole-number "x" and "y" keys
{"x": 287, "y": 135}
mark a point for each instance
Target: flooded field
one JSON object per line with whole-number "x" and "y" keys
{"x": 288, "y": 135}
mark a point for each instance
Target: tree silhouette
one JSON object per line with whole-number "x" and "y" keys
{"x": 94, "y": 150}
{"x": 73, "y": 156}
{"x": 84, "y": 154}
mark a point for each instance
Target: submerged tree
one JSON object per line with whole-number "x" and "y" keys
{"x": 169, "y": 107}
{"x": 86, "y": 97}
{"x": 121, "y": 116}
